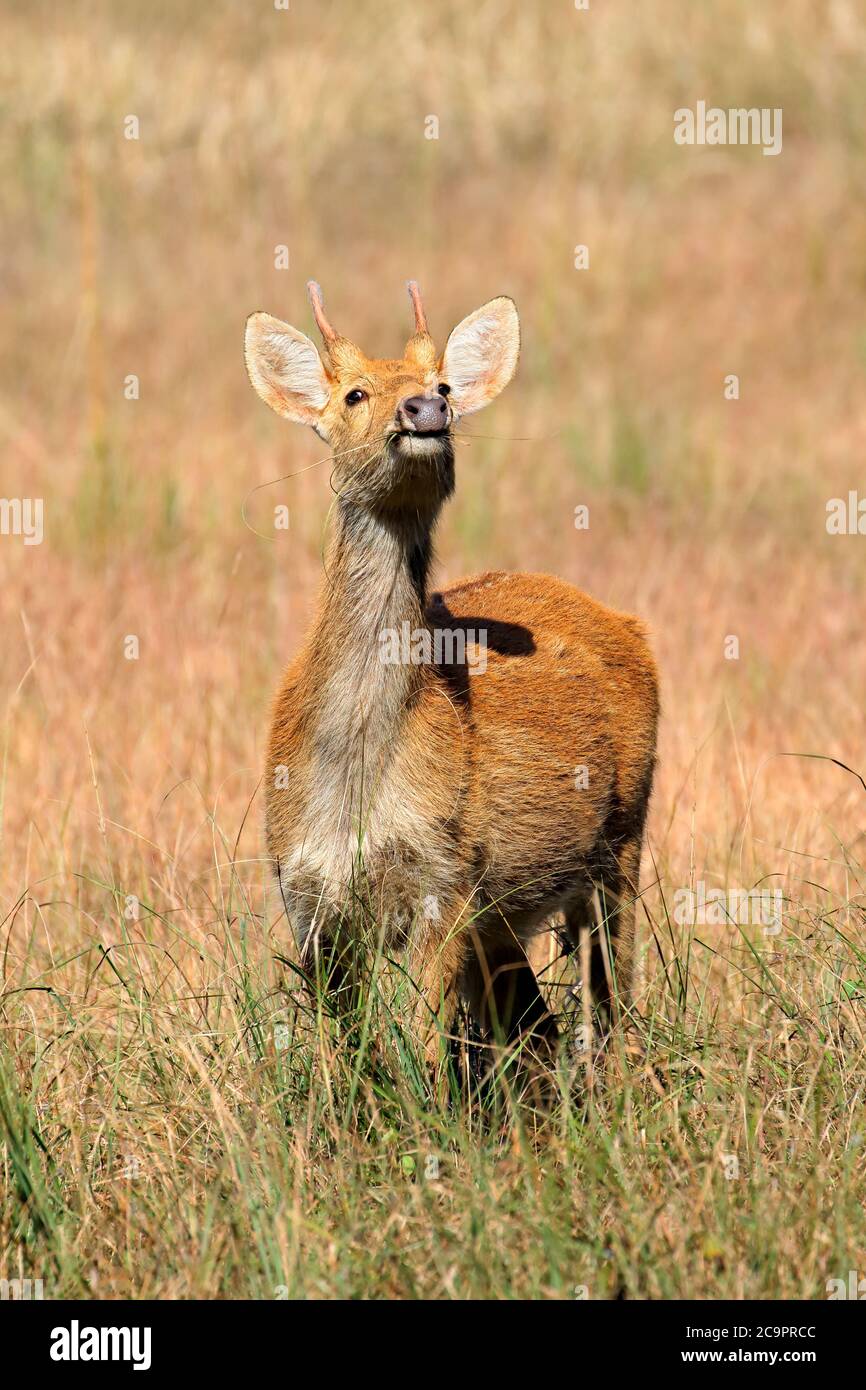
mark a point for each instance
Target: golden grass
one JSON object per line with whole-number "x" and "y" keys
{"x": 160, "y": 1138}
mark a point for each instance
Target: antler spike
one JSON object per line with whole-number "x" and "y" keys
{"x": 415, "y": 296}
{"x": 315, "y": 292}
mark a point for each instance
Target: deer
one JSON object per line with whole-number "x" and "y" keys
{"x": 479, "y": 790}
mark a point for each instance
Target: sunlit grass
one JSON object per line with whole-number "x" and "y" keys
{"x": 185, "y": 1118}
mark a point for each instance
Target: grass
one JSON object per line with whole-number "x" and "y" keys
{"x": 176, "y": 1118}
{"x": 185, "y": 1120}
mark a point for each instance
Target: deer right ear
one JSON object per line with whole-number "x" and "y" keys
{"x": 285, "y": 369}
{"x": 481, "y": 355}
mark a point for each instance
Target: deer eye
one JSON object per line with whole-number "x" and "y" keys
{"x": 356, "y": 397}
{"x": 443, "y": 388}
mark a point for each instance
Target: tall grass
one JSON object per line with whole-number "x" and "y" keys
{"x": 182, "y": 1117}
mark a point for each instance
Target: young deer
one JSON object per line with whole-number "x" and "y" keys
{"x": 480, "y": 800}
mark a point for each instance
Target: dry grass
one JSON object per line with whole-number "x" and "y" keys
{"x": 161, "y": 1137}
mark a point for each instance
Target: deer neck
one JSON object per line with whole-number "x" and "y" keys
{"x": 374, "y": 597}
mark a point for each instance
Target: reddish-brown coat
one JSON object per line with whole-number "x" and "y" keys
{"x": 473, "y": 805}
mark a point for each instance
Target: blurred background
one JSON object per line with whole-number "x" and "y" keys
{"x": 306, "y": 129}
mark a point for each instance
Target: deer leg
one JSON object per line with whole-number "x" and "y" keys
{"x": 502, "y": 993}
{"x": 434, "y": 962}
{"x": 611, "y": 930}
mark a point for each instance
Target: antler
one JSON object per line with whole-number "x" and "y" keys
{"x": 315, "y": 292}
{"x": 415, "y": 296}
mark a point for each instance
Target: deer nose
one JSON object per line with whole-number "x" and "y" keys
{"x": 423, "y": 414}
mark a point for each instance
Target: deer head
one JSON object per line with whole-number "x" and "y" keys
{"x": 389, "y": 421}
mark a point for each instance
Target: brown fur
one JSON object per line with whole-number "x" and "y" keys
{"x": 456, "y": 797}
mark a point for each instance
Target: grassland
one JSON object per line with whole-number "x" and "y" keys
{"x": 175, "y": 1119}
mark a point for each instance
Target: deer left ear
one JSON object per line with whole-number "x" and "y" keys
{"x": 285, "y": 369}
{"x": 481, "y": 355}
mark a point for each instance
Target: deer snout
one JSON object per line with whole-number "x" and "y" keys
{"x": 423, "y": 414}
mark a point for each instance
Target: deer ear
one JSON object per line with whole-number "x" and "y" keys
{"x": 285, "y": 369}
{"x": 481, "y": 355}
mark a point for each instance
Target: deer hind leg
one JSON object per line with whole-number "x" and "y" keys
{"x": 501, "y": 991}
{"x": 605, "y": 920}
